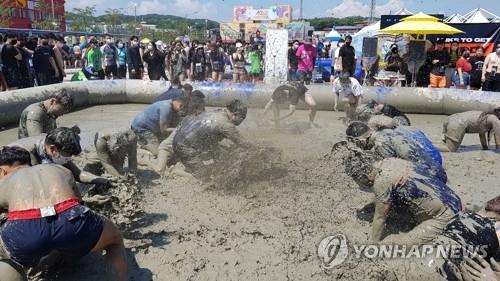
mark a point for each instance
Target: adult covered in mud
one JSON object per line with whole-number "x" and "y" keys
{"x": 349, "y": 89}
{"x": 403, "y": 142}
{"x": 49, "y": 217}
{"x": 197, "y": 142}
{"x": 471, "y": 122}
{"x": 290, "y": 92}
{"x": 40, "y": 118}
{"x": 401, "y": 183}
{"x": 365, "y": 112}
{"x": 58, "y": 147}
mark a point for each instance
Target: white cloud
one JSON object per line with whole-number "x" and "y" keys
{"x": 183, "y": 8}
{"x": 355, "y": 8}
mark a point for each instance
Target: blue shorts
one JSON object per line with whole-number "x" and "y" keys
{"x": 73, "y": 232}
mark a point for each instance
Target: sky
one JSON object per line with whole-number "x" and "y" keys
{"x": 221, "y": 10}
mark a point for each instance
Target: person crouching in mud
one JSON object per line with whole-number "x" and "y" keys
{"x": 290, "y": 92}
{"x": 365, "y": 112}
{"x": 58, "y": 147}
{"x": 197, "y": 140}
{"x": 401, "y": 183}
{"x": 403, "y": 142}
{"x": 470, "y": 122}
{"x": 351, "y": 92}
{"x": 46, "y": 214}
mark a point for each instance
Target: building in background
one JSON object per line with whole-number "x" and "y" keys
{"x": 34, "y": 14}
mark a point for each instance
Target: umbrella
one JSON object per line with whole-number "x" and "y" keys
{"x": 421, "y": 24}
{"x": 145, "y": 40}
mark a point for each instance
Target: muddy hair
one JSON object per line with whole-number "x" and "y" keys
{"x": 493, "y": 205}
{"x": 65, "y": 139}
{"x": 359, "y": 164}
{"x": 482, "y": 118}
{"x": 357, "y": 129}
{"x": 238, "y": 108}
{"x": 64, "y": 98}
{"x": 196, "y": 103}
{"x": 10, "y": 155}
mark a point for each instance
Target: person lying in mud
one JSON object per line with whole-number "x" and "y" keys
{"x": 49, "y": 217}
{"x": 197, "y": 142}
{"x": 475, "y": 238}
{"x": 157, "y": 121}
{"x": 40, "y": 117}
{"x": 365, "y": 112}
{"x": 401, "y": 183}
{"x": 175, "y": 91}
{"x": 57, "y": 147}
{"x": 351, "y": 92}
{"x": 403, "y": 142}
{"x": 471, "y": 122}
{"x": 110, "y": 149}
{"x": 290, "y": 92}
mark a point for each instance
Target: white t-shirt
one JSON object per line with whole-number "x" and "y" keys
{"x": 345, "y": 90}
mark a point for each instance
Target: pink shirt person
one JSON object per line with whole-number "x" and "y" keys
{"x": 306, "y": 54}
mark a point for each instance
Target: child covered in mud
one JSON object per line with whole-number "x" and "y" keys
{"x": 290, "y": 92}
{"x": 401, "y": 142}
{"x": 365, "y": 112}
{"x": 470, "y": 122}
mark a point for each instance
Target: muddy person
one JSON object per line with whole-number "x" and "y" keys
{"x": 471, "y": 122}
{"x": 290, "y": 92}
{"x": 58, "y": 147}
{"x": 403, "y": 142}
{"x": 197, "y": 140}
{"x": 365, "y": 112}
{"x": 53, "y": 215}
{"x": 40, "y": 118}
{"x": 156, "y": 122}
{"x": 351, "y": 92}
{"x": 401, "y": 183}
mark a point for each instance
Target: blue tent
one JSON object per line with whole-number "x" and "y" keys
{"x": 333, "y": 35}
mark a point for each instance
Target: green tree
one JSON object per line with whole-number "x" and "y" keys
{"x": 83, "y": 18}
{"x": 113, "y": 18}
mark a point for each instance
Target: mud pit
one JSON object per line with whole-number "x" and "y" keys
{"x": 267, "y": 230}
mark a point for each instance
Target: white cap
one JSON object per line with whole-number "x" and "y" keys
{"x": 239, "y": 45}
{"x": 159, "y": 43}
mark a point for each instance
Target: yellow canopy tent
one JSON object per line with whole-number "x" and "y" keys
{"x": 145, "y": 40}
{"x": 421, "y": 24}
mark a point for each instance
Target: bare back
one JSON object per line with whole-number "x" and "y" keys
{"x": 37, "y": 187}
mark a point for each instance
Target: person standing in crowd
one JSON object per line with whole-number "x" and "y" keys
{"x": 134, "y": 60}
{"x": 491, "y": 71}
{"x": 164, "y": 52}
{"x": 94, "y": 58}
{"x": 110, "y": 54}
{"x": 424, "y": 72}
{"x": 68, "y": 54}
{"x": 10, "y": 59}
{"x": 334, "y": 55}
{"x": 122, "y": 60}
{"x": 59, "y": 58}
{"x": 347, "y": 57}
{"x": 477, "y": 62}
{"x": 24, "y": 65}
{"x": 461, "y": 77}
{"x": 77, "y": 51}
{"x": 306, "y": 54}
{"x": 44, "y": 63}
{"x": 179, "y": 57}
{"x": 255, "y": 60}
{"x": 293, "y": 61}
{"x": 216, "y": 57}
{"x": 154, "y": 58}
{"x": 454, "y": 57}
{"x": 439, "y": 60}
{"x": 238, "y": 62}
{"x": 198, "y": 62}
{"x": 393, "y": 60}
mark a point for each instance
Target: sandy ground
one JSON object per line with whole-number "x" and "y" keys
{"x": 265, "y": 230}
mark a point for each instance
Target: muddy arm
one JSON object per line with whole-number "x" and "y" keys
{"x": 379, "y": 219}
{"x": 290, "y": 113}
{"x": 268, "y": 106}
{"x": 84, "y": 177}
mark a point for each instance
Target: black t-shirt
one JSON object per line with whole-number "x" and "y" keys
{"x": 292, "y": 92}
{"x": 292, "y": 58}
{"x": 477, "y": 67}
{"x": 440, "y": 67}
{"x": 41, "y": 58}
{"x": 8, "y": 57}
{"x": 347, "y": 53}
{"x": 393, "y": 59}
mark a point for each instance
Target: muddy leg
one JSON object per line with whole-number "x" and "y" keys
{"x": 165, "y": 153}
{"x": 111, "y": 240}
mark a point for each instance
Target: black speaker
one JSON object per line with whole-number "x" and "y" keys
{"x": 370, "y": 47}
{"x": 416, "y": 53}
